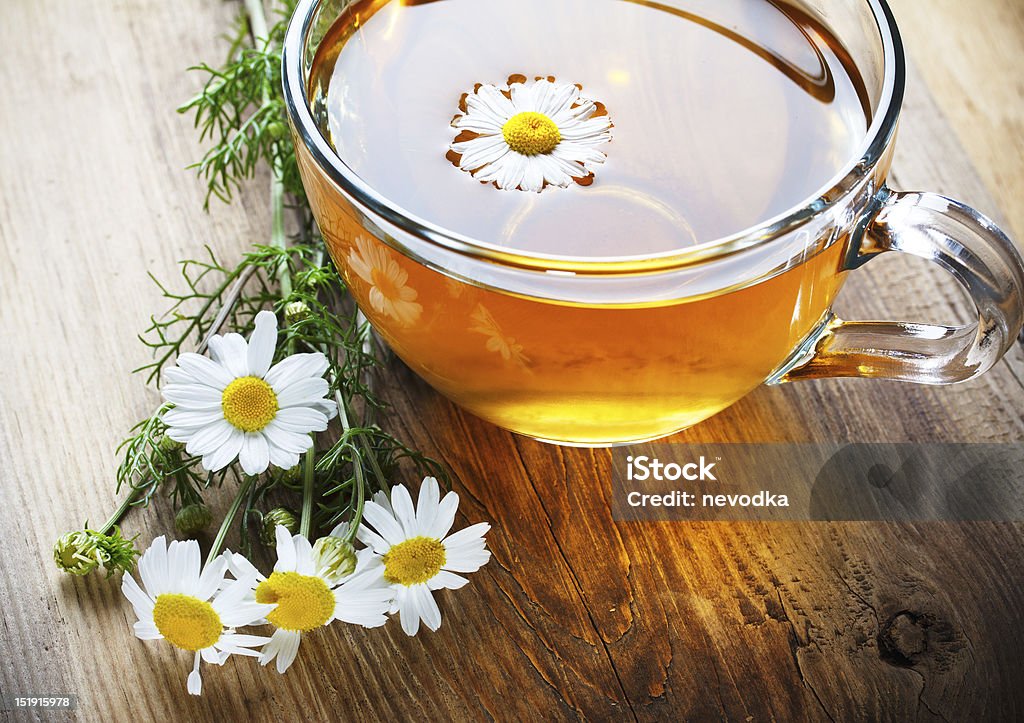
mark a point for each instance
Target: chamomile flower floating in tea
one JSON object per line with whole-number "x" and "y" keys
{"x": 415, "y": 554}
{"x": 310, "y": 587}
{"x": 529, "y": 134}
{"x": 389, "y": 293}
{"x": 236, "y": 404}
{"x": 193, "y": 608}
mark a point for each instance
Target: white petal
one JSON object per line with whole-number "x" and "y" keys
{"x": 280, "y": 458}
{"x": 446, "y": 580}
{"x": 478, "y": 123}
{"x": 184, "y": 559}
{"x": 195, "y": 682}
{"x": 368, "y": 537}
{"x": 213, "y": 656}
{"x": 495, "y": 101}
{"x": 296, "y": 367}
{"x": 233, "y": 593}
{"x": 288, "y": 441}
{"x": 225, "y": 454}
{"x": 153, "y": 567}
{"x": 262, "y": 343}
{"x": 187, "y": 418}
{"x": 408, "y": 611}
{"x": 146, "y": 630}
{"x": 302, "y": 392}
{"x": 289, "y": 648}
{"x": 383, "y": 522}
{"x": 303, "y": 555}
{"x": 445, "y": 516}
{"x": 467, "y": 535}
{"x": 246, "y": 613}
{"x": 533, "y": 178}
{"x": 141, "y": 602}
{"x": 523, "y": 97}
{"x": 254, "y": 455}
{"x": 285, "y": 550}
{"x": 230, "y": 351}
{"x": 429, "y": 611}
{"x": 212, "y": 577}
{"x": 204, "y": 370}
{"x": 240, "y": 566}
{"x": 236, "y": 644}
{"x": 570, "y": 151}
{"x": 426, "y": 505}
{"x": 192, "y": 397}
{"x": 301, "y": 420}
{"x": 367, "y": 607}
{"x": 404, "y": 512}
{"x": 210, "y": 438}
{"x": 562, "y": 97}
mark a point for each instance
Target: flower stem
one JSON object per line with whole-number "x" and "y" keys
{"x": 306, "y": 520}
{"x": 116, "y": 516}
{"x": 222, "y": 533}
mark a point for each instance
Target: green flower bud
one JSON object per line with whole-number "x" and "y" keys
{"x": 296, "y": 311}
{"x": 292, "y": 475}
{"x": 77, "y": 553}
{"x": 334, "y": 559}
{"x": 166, "y": 444}
{"x": 277, "y": 130}
{"x": 193, "y": 519}
{"x": 278, "y": 516}
{"x": 82, "y": 551}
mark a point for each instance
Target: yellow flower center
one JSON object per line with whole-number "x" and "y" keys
{"x": 384, "y": 283}
{"x": 249, "y": 403}
{"x": 186, "y": 622}
{"x": 531, "y": 133}
{"x": 414, "y": 561}
{"x": 304, "y": 602}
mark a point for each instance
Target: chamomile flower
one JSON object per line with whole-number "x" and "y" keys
{"x": 309, "y": 590}
{"x": 389, "y": 293}
{"x": 529, "y": 134}
{"x": 235, "y": 404}
{"x": 193, "y": 608}
{"x": 415, "y": 554}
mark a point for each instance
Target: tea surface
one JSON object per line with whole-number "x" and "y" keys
{"x": 725, "y": 113}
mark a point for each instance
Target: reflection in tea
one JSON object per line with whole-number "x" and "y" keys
{"x": 725, "y": 114}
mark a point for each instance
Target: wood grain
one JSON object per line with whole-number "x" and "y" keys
{"x": 576, "y": 616}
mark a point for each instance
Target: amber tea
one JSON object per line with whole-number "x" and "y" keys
{"x": 585, "y": 128}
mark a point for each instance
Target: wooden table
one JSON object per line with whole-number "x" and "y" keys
{"x": 575, "y": 615}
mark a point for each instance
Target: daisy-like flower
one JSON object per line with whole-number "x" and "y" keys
{"x": 235, "y": 404}
{"x": 528, "y": 134}
{"x": 310, "y": 588}
{"x": 497, "y": 341}
{"x": 415, "y": 554}
{"x": 192, "y": 608}
{"x": 389, "y": 294}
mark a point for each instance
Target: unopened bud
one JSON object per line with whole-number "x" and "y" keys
{"x": 278, "y": 516}
{"x": 296, "y": 311}
{"x": 334, "y": 559}
{"x": 193, "y": 519}
{"x": 77, "y": 553}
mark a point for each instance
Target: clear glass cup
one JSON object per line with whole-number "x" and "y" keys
{"x": 599, "y": 351}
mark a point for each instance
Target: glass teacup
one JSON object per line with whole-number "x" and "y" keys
{"x": 598, "y": 351}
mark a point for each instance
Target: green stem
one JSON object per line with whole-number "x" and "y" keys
{"x": 222, "y": 533}
{"x": 357, "y": 515}
{"x": 120, "y": 512}
{"x": 306, "y": 520}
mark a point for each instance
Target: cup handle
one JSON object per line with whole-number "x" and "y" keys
{"x": 960, "y": 240}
